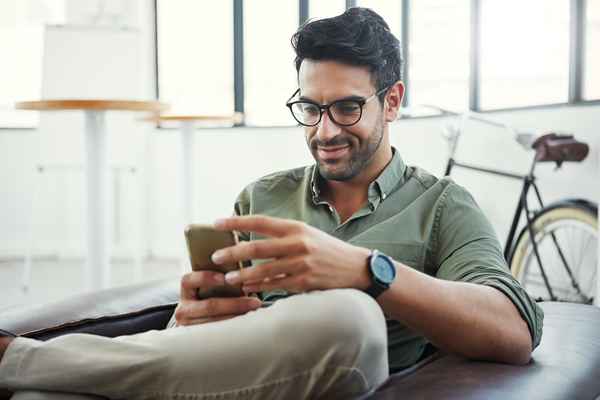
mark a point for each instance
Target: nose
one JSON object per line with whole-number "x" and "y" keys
{"x": 327, "y": 129}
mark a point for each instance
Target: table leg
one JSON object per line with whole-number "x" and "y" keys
{"x": 146, "y": 214}
{"x": 187, "y": 144}
{"x": 187, "y": 187}
{"x": 597, "y": 294}
{"x": 97, "y": 271}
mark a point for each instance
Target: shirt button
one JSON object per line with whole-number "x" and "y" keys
{"x": 330, "y": 209}
{"x": 383, "y": 196}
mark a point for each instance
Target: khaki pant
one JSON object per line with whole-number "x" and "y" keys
{"x": 323, "y": 344}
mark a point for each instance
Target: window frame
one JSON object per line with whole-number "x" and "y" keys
{"x": 576, "y": 57}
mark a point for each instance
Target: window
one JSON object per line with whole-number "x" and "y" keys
{"x": 318, "y": 9}
{"x": 591, "y": 68}
{"x": 439, "y": 53}
{"x": 270, "y": 75}
{"x": 524, "y": 54}
{"x": 21, "y": 43}
{"x": 195, "y": 57}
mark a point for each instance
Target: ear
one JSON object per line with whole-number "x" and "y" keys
{"x": 393, "y": 101}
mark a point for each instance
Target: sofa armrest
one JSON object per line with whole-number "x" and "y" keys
{"x": 566, "y": 365}
{"x": 111, "y": 312}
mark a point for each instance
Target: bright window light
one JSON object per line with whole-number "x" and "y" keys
{"x": 591, "y": 69}
{"x": 270, "y": 75}
{"x": 318, "y": 9}
{"x": 524, "y": 53}
{"x": 438, "y": 71}
{"x": 195, "y": 70}
{"x": 21, "y": 44}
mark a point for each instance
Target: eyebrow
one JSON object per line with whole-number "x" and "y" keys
{"x": 352, "y": 97}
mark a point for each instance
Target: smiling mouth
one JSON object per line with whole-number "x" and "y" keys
{"x": 332, "y": 152}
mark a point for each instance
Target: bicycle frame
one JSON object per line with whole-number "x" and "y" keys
{"x": 522, "y": 204}
{"x": 528, "y": 180}
{"x": 453, "y": 137}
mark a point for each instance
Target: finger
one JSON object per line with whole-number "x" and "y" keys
{"x": 187, "y": 314}
{"x": 199, "y": 280}
{"x": 280, "y": 276}
{"x": 215, "y": 307}
{"x": 293, "y": 284}
{"x": 269, "y": 270}
{"x": 251, "y": 282}
{"x": 261, "y": 249}
{"x": 252, "y": 286}
{"x": 267, "y": 226}
{"x": 198, "y": 321}
{"x": 249, "y": 293}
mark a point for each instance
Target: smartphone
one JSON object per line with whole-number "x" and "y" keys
{"x": 202, "y": 241}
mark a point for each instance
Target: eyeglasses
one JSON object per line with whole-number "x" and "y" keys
{"x": 344, "y": 112}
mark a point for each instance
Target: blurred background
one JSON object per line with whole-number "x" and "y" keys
{"x": 534, "y": 64}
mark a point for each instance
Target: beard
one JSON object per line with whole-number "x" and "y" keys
{"x": 361, "y": 153}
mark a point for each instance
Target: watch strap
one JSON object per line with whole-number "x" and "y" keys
{"x": 376, "y": 287}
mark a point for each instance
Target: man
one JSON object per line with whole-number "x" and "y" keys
{"x": 372, "y": 263}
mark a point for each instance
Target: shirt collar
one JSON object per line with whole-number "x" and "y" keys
{"x": 314, "y": 185}
{"x": 391, "y": 177}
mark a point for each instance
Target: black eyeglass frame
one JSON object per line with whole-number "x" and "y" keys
{"x": 326, "y": 107}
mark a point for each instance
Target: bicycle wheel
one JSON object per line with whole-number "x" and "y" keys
{"x": 574, "y": 224}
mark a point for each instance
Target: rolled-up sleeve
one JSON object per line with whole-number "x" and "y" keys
{"x": 467, "y": 250}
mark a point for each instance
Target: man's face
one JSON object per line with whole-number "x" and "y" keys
{"x": 341, "y": 152}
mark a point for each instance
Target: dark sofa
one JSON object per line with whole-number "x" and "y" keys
{"x": 566, "y": 365}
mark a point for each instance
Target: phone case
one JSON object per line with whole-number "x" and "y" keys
{"x": 202, "y": 241}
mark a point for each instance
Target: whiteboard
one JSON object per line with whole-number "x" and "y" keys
{"x": 91, "y": 62}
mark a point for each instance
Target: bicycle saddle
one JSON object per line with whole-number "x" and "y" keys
{"x": 558, "y": 148}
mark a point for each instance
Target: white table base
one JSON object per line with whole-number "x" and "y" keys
{"x": 187, "y": 187}
{"x": 187, "y": 171}
{"x": 597, "y": 296}
{"x": 97, "y": 263}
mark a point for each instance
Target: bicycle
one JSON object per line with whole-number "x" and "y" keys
{"x": 560, "y": 263}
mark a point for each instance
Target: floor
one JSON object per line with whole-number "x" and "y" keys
{"x": 55, "y": 279}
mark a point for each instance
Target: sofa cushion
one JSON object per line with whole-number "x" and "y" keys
{"x": 566, "y": 365}
{"x": 112, "y": 312}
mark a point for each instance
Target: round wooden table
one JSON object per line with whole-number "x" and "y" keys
{"x": 96, "y": 160}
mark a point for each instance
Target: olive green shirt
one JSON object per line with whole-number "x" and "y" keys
{"x": 432, "y": 225}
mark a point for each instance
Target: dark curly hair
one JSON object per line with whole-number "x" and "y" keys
{"x": 358, "y": 37}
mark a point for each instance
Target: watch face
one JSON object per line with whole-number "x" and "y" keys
{"x": 384, "y": 269}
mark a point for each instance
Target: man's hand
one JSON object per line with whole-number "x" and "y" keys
{"x": 191, "y": 311}
{"x": 4, "y": 342}
{"x": 301, "y": 257}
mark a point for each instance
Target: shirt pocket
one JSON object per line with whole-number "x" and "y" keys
{"x": 411, "y": 254}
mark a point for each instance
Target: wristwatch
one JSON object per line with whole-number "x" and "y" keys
{"x": 382, "y": 271}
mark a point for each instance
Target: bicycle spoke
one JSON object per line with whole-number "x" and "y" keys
{"x": 585, "y": 247}
{"x": 576, "y": 266}
{"x": 566, "y": 246}
{"x": 566, "y": 258}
